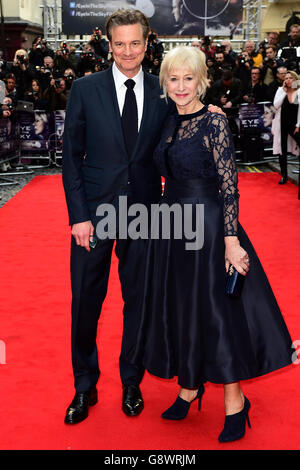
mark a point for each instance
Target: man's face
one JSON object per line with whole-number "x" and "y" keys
{"x": 219, "y": 58}
{"x": 10, "y": 84}
{"x": 128, "y": 47}
{"x": 295, "y": 33}
{"x": 281, "y": 73}
{"x": 270, "y": 53}
{"x": 48, "y": 63}
{"x": 249, "y": 47}
{"x": 255, "y": 75}
{"x": 272, "y": 39}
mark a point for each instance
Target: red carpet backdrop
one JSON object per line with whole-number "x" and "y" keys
{"x": 35, "y": 364}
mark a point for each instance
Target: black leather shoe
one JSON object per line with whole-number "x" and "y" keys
{"x": 79, "y": 408}
{"x": 133, "y": 402}
{"x": 283, "y": 180}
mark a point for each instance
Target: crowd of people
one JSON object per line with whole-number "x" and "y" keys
{"x": 44, "y": 77}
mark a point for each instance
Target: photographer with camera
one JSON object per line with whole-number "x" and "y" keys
{"x": 87, "y": 60}
{"x": 256, "y": 90}
{"x": 289, "y": 50}
{"x": 99, "y": 44}
{"x": 154, "y": 54}
{"x": 69, "y": 77}
{"x": 56, "y": 94}
{"x": 270, "y": 65}
{"x": 23, "y": 71}
{"x": 207, "y": 47}
{"x": 38, "y": 51}
{"x": 7, "y": 107}
{"x": 271, "y": 40}
{"x": 242, "y": 70}
{"x": 220, "y": 65}
{"x": 255, "y": 55}
{"x": 61, "y": 59}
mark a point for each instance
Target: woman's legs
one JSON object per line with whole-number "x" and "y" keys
{"x": 233, "y": 398}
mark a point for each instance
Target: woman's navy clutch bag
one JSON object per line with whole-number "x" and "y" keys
{"x": 234, "y": 282}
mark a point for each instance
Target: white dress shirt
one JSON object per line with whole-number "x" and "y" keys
{"x": 120, "y": 79}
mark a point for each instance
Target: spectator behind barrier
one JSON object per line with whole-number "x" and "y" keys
{"x": 220, "y": 65}
{"x": 23, "y": 71}
{"x": 255, "y": 56}
{"x": 271, "y": 40}
{"x": 153, "y": 54}
{"x": 229, "y": 55}
{"x": 242, "y": 71}
{"x": 270, "y": 65}
{"x": 61, "y": 60}
{"x": 256, "y": 91}
{"x": 11, "y": 90}
{"x": 225, "y": 93}
{"x": 278, "y": 82}
{"x": 56, "y": 94}
{"x": 87, "y": 60}
{"x": 69, "y": 77}
{"x": 289, "y": 50}
{"x": 38, "y": 51}
{"x": 35, "y": 96}
{"x": 99, "y": 45}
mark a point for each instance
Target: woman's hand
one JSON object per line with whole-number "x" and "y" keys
{"x": 236, "y": 255}
{"x": 296, "y": 130}
{"x": 215, "y": 109}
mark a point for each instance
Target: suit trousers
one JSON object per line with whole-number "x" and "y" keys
{"x": 89, "y": 280}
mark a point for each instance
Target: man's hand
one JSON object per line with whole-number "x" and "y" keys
{"x": 223, "y": 100}
{"x": 82, "y": 233}
{"x": 215, "y": 109}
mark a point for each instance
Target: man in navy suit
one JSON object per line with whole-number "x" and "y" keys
{"x": 98, "y": 167}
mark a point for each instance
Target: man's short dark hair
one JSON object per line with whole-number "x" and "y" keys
{"x": 127, "y": 17}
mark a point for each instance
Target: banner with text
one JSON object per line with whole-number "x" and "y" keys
{"x": 167, "y": 17}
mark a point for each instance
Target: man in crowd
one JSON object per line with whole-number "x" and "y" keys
{"x": 270, "y": 65}
{"x": 226, "y": 92}
{"x": 256, "y": 91}
{"x": 278, "y": 82}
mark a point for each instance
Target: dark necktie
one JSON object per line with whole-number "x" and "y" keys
{"x": 130, "y": 117}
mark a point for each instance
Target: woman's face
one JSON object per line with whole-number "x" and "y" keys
{"x": 267, "y": 117}
{"x": 289, "y": 80}
{"x": 38, "y": 125}
{"x": 182, "y": 87}
{"x": 35, "y": 86}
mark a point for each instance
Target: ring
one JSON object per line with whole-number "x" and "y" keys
{"x": 247, "y": 260}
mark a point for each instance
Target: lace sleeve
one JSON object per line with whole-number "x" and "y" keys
{"x": 224, "y": 156}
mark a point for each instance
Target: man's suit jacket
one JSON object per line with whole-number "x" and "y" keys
{"x": 96, "y": 166}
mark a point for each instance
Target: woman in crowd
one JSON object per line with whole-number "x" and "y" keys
{"x": 34, "y": 95}
{"x": 190, "y": 327}
{"x": 287, "y": 121}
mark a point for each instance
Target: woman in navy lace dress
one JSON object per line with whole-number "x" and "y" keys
{"x": 189, "y": 327}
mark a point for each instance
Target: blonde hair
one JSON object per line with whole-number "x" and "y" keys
{"x": 185, "y": 57}
{"x": 294, "y": 76}
{"x": 21, "y": 52}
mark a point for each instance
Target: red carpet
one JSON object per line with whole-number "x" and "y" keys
{"x": 36, "y": 380}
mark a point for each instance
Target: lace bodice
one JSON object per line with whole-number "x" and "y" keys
{"x": 200, "y": 145}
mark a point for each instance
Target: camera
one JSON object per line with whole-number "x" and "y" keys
{"x": 57, "y": 82}
{"x": 39, "y": 45}
{"x": 268, "y": 61}
{"x": 10, "y": 106}
{"x": 242, "y": 59}
{"x": 65, "y": 51}
{"x": 88, "y": 55}
{"x": 21, "y": 58}
{"x": 70, "y": 76}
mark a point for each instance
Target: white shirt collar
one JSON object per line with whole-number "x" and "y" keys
{"x": 120, "y": 78}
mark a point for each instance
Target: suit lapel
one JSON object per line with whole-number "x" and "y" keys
{"x": 109, "y": 105}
